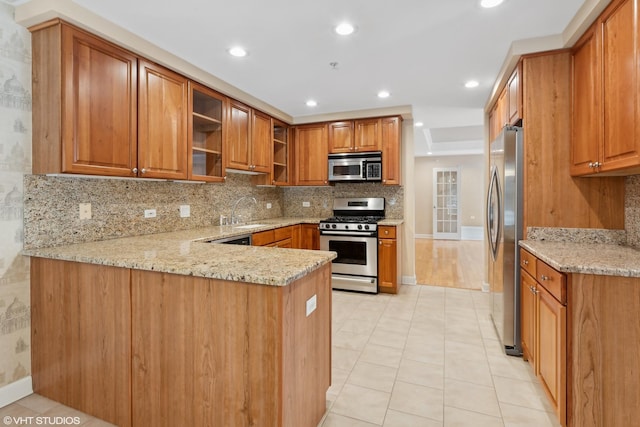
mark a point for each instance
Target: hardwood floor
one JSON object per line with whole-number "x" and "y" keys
{"x": 450, "y": 263}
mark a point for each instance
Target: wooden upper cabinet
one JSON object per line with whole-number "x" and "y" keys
{"x": 238, "y": 136}
{"x": 162, "y": 122}
{"x": 585, "y": 103}
{"x": 249, "y": 139}
{"x": 391, "y": 139}
{"x": 368, "y": 133}
{"x": 261, "y": 142}
{"x": 341, "y": 137}
{"x": 605, "y": 111}
{"x": 498, "y": 115}
{"x": 514, "y": 96}
{"x": 84, "y": 103}
{"x": 620, "y": 53}
{"x": 311, "y": 153}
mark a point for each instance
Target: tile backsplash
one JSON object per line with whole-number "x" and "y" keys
{"x": 632, "y": 210}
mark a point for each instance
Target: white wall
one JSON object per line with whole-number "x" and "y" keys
{"x": 472, "y": 170}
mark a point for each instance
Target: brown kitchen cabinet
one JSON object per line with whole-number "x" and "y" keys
{"x": 391, "y": 138}
{"x": 311, "y": 154}
{"x": 206, "y": 133}
{"x": 341, "y": 137}
{"x": 606, "y": 114}
{"x": 85, "y": 103}
{"x": 249, "y": 139}
{"x": 389, "y": 259}
{"x": 281, "y": 153}
{"x": 309, "y": 236}
{"x": 282, "y": 237}
{"x": 350, "y": 136}
{"x": 162, "y": 122}
{"x": 100, "y": 110}
{"x": 543, "y": 315}
{"x": 498, "y": 115}
{"x": 514, "y": 97}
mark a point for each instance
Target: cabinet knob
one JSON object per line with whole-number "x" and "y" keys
{"x": 543, "y": 277}
{"x": 134, "y": 170}
{"x": 380, "y": 242}
{"x": 143, "y": 170}
{"x": 597, "y": 164}
{"x": 525, "y": 262}
{"x": 386, "y": 231}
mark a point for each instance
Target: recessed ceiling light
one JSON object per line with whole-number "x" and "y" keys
{"x": 344, "y": 29}
{"x": 238, "y": 51}
{"x": 471, "y": 84}
{"x": 383, "y": 94}
{"x": 490, "y": 3}
{"x": 311, "y": 103}
{"x": 419, "y": 124}
{"x": 429, "y": 153}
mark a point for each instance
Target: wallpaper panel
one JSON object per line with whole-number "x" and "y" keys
{"x": 15, "y": 162}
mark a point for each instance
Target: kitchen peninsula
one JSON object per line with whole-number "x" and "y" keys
{"x": 168, "y": 330}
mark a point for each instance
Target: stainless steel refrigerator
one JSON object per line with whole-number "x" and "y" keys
{"x": 504, "y": 230}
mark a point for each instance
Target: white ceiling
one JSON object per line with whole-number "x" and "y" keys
{"x": 422, "y": 51}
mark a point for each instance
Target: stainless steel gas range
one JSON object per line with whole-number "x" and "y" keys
{"x": 353, "y": 234}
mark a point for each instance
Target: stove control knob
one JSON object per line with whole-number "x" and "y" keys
{"x": 333, "y": 226}
{"x": 359, "y": 226}
{"x": 346, "y": 227}
{"x": 366, "y": 227}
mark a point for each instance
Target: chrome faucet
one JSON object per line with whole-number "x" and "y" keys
{"x": 234, "y": 219}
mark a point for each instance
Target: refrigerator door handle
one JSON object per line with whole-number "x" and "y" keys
{"x": 493, "y": 215}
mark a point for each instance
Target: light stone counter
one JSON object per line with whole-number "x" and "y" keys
{"x": 587, "y": 258}
{"x": 391, "y": 222}
{"x": 185, "y": 253}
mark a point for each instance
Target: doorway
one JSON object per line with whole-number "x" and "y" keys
{"x": 446, "y": 194}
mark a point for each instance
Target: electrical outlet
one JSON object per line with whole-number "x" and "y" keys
{"x": 149, "y": 213}
{"x": 268, "y": 205}
{"x": 306, "y": 204}
{"x": 185, "y": 211}
{"x": 85, "y": 210}
{"x": 312, "y": 303}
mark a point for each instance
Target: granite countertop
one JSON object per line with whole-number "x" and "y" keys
{"x": 391, "y": 222}
{"x": 186, "y": 253}
{"x": 586, "y": 258}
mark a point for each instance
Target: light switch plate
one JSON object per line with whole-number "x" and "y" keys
{"x": 185, "y": 211}
{"x": 149, "y": 213}
{"x": 312, "y": 304}
{"x": 85, "y": 210}
{"x": 268, "y": 205}
{"x": 306, "y": 204}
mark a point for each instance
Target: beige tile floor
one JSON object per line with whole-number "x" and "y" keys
{"x": 428, "y": 356}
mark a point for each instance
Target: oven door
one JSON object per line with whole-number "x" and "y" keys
{"x": 356, "y": 266}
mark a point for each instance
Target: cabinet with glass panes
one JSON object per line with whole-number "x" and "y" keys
{"x": 280, "y": 153}
{"x": 206, "y": 126}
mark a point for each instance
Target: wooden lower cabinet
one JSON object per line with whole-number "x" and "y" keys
{"x": 552, "y": 351}
{"x": 141, "y": 348}
{"x": 283, "y": 237}
{"x": 528, "y": 317}
{"x": 586, "y": 344}
{"x": 309, "y": 237}
{"x": 81, "y": 337}
{"x": 388, "y": 259}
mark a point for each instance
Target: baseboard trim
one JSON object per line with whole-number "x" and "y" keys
{"x": 15, "y": 391}
{"x": 409, "y": 280}
{"x": 423, "y": 236}
{"x": 471, "y": 233}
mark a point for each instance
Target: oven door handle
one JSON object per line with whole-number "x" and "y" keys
{"x": 341, "y": 233}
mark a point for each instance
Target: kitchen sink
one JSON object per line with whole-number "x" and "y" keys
{"x": 249, "y": 226}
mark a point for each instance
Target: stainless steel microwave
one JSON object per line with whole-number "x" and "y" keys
{"x": 355, "y": 167}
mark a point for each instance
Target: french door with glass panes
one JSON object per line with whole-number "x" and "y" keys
{"x": 446, "y": 192}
